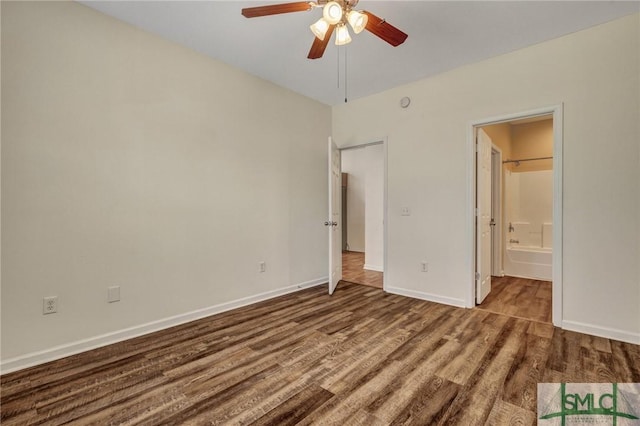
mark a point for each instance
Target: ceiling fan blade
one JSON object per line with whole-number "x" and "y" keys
{"x": 384, "y": 30}
{"x": 276, "y": 9}
{"x": 318, "y": 46}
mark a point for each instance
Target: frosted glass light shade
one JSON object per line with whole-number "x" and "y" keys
{"x": 319, "y": 29}
{"x": 357, "y": 20}
{"x": 332, "y": 12}
{"x": 342, "y": 35}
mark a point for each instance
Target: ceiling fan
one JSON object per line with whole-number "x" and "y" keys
{"x": 335, "y": 16}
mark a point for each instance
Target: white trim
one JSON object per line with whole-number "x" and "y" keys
{"x": 556, "y": 255}
{"x": 556, "y": 111}
{"x": 362, "y": 145}
{"x": 385, "y": 214}
{"x": 57, "y": 352}
{"x": 460, "y": 303}
{"x": 529, "y": 277}
{"x": 470, "y": 301}
{"x": 355, "y": 145}
{"x": 608, "y": 333}
{"x": 376, "y": 268}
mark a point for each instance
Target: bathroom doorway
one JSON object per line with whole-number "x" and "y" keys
{"x": 517, "y": 194}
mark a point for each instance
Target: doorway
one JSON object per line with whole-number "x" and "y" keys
{"x": 363, "y": 206}
{"x": 516, "y": 215}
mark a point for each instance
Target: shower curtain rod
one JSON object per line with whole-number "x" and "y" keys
{"x": 527, "y": 159}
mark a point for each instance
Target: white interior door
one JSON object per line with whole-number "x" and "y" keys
{"x": 335, "y": 220}
{"x": 496, "y": 212}
{"x": 483, "y": 217}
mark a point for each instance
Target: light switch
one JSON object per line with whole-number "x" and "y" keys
{"x": 113, "y": 294}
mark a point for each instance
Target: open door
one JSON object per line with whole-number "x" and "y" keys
{"x": 335, "y": 220}
{"x": 483, "y": 216}
{"x": 496, "y": 212}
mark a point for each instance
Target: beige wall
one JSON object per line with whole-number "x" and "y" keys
{"x": 532, "y": 140}
{"x": 595, "y": 74}
{"x": 128, "y": 160}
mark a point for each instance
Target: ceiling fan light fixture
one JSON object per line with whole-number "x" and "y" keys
{"x": 319, "y": 29}
{"x": 342, "y": 35}
{"x": 332, "y": 12}
{"x": 357, "y": 20}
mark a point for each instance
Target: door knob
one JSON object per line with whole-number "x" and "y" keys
{"x": 327, "y": 223}
{"x": 334, "y": 223}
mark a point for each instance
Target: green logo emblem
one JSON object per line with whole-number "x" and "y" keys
{"x": 589, "y": 403}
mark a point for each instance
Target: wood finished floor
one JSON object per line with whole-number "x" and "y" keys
{"x": 519, "y": 297}
{"x": 358, "y": 357}
{"x": 353, "y": 270}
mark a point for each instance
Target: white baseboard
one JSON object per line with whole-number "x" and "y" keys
{"x": 460, "y": 303}
{"x": 530, "y": 277}
{"x": 62, "y": 351}
{"x": 373, "y": 268}
{"x": 596, "y": 330}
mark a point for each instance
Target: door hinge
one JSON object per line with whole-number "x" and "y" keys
{"x": 477, "y": 276}
{"x": 476, "y": 211}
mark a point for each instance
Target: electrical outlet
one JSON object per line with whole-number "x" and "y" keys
{"x": 113, "y": 294}
{"x": 262, "y": 266}
{"x": 425, "y": 266}
{"x": 406, "y": 211}
{"x": 50, "y": 305}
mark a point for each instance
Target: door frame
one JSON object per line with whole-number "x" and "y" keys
{"x": 557, "y": 112}
{"x": 497, "y": 269}
{"x": 377, "y": 141}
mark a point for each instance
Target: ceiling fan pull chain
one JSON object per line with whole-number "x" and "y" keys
{"x": 338, "y": 69}
{"x": 345, "y": 74}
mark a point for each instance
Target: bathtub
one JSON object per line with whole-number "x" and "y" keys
{"x": 528, "y": 262}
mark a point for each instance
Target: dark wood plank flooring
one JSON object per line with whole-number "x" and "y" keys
{"x": 519, "y": 297}
{"x": 358, "y": 357}
{"x": 353, "y": 270}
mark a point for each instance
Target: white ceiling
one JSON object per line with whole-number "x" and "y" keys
{"x": 442, "y": 35}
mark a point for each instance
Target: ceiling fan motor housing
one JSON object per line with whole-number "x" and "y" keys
{"x": 347, "y": 3}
